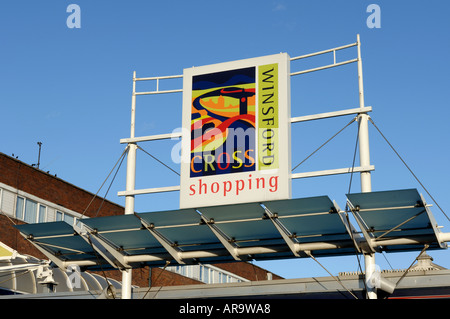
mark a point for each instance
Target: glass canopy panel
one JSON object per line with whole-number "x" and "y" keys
{"x": 233, "y": 212}
{"x": 67, "y": 248}
{"x": 250, "y": 230}
{"x": 126, "y": 232}
{"x": 316, "y": 228}
{"x": 45, "y": 229}
{"x": 384, "y": 199}
{"x": 109, "y": 223}
{"x": 132, "y": 240}
{"x": 300, "y": 206}
{"x": 386, "y": 210}
{"x": 58, "y": 238}
{"x": 183, "y": 227}
{"x": 189, "y": 235}
{"x": 243, "y": 223}
{"x": 171, "y": 217}
{"x": 310, "y": 219}
{"x": 394, "y": 214}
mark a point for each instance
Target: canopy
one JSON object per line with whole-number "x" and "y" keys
{"x": 390, "y": 220}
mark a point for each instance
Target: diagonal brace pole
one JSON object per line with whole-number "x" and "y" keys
{"x": 166, "y": 243}
{"x": 223, "y": 238}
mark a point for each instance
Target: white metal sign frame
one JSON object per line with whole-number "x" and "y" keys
{"x": 361, "y": 112}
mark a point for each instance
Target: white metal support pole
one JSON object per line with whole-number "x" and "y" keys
{"x": 364, "y": 153}
{"x": 364, "y": 158}
{"x": 370, "y": 277}
{"x": 130, "y": 185}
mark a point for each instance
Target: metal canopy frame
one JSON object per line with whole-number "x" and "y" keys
{"x": 269, "y": 230}
{"x": 386, "y": 217}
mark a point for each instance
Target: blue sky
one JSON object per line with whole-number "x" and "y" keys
{"x": 71, "y": 90}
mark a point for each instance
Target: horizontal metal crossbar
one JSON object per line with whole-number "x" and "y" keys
{"x": 324, "y": 67}
{"x": 331, "y": 114}
{"x": 334, "y": 64}
{"x": 59, "y": 247}
{"x": 159, "y": 77}
{"x": 158, "y": 92}
{"x": 151, "y": 138}
{"x": 176, "y": 135}
{"x": 149, "y": 190}
{"x": 324, "y": 51}
{"x": 333, "y": 172}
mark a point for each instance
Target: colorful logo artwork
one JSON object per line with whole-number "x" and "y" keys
{"x": 223, "y": 122}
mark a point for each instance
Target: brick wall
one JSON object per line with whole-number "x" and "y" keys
{"x": 34, "y": 181}
{"x": 12, "y": 238}
{"x": 247, "y": 270}
{"x": 162, "y": 277}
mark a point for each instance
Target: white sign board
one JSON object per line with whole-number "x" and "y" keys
{"x": 236, "y": 132}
